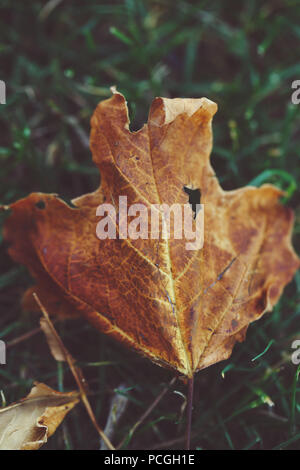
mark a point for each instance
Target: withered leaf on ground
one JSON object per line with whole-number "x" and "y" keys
{"x": 183, "y": 309}
{"x": 27, "y": 424}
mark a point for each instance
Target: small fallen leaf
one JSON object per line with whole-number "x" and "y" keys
{"x": 183, "y": 309}
{"x": 55, "y": 347}
{"x": 27, "y": 424}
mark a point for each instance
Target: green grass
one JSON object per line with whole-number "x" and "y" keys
{"x": 57, "y": 66}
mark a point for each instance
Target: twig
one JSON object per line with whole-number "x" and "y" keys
{"x": 23, "y": 337}
{"x": 76, "y": 371}
{"x": 189, "y": 410}
{"x": 148, "y": 411}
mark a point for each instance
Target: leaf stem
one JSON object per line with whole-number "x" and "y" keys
{"x": 189, "y": 410}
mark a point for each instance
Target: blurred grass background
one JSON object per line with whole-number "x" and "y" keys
{"x": 58, "y": 59}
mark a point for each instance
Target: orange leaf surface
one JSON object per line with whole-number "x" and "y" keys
{"x": 183, "y": 309}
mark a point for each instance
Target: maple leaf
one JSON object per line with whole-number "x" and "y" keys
{"x": 181, "y": 308}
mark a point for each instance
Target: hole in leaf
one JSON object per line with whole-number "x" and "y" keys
{"x": 194, "y": 198}
{"x": 68, "y": 201}
{"x": 40, "y": 204}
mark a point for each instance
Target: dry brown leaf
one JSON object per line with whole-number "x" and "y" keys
{"x": 27, "y": 424}
{"x": 182, "y": 309}
{"x": 56, "y": 350}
